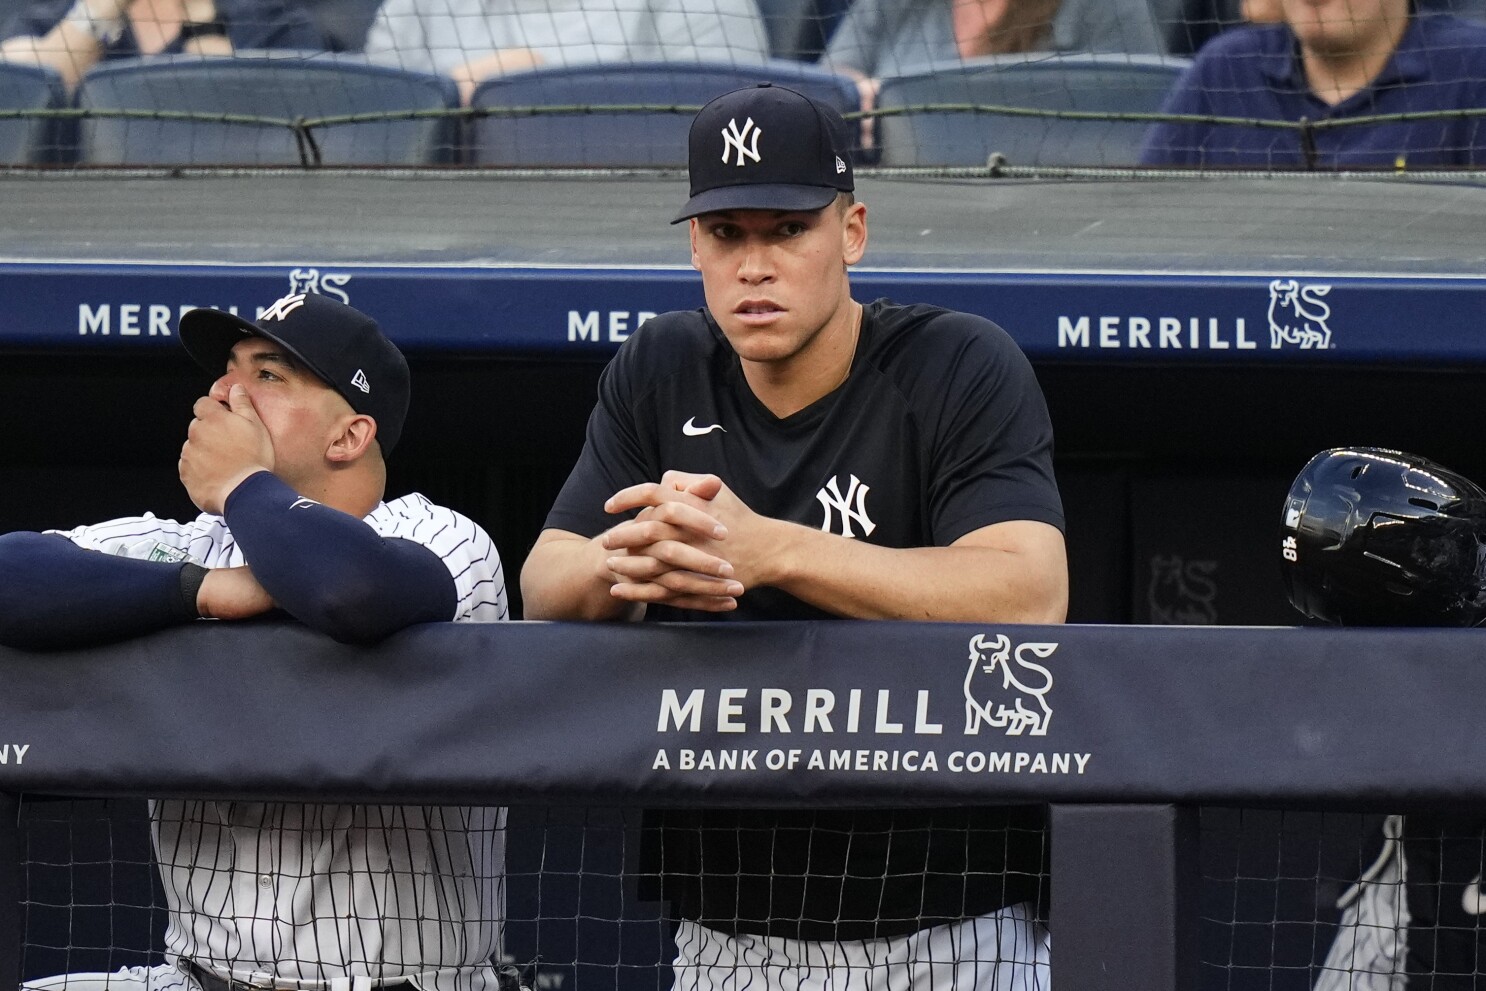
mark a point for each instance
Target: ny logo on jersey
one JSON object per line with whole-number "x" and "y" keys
{"x": 732, "y": 139}
{"x": 852, "y": 506}
{"x": 281, "y": 308}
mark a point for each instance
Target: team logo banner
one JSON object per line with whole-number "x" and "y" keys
{"x": 772, "y": 714}
{"x": 913, "y": 728}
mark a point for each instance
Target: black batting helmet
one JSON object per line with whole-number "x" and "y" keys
{"x": 1373, "y": 537}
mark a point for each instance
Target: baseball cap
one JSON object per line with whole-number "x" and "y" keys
{"x": 340, "y": 344}
{"x": 766, "y": 147}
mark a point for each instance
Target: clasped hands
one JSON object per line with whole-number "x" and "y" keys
{"x": 693, "y": 545}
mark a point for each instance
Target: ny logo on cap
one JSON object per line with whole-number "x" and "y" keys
{"x": 732, "y": 138}
{"x": 360, "y": 382}
{"x": 281, "y": 308}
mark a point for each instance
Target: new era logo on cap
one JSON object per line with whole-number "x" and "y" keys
{"x": 789, "y": 153}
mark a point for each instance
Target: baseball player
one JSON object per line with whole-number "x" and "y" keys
{"x": 789, "y": 453}
{"x": 1379, "y": 537}
{"x": 285, "y": 459}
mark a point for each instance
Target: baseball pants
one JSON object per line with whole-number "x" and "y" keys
{"x": 1003, "y": 951}
{"x": 164, "y": 977}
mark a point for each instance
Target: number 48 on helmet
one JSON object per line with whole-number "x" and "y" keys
{"x": 1376, "y": 537}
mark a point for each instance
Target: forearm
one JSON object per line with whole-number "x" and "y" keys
{"x": 965, "y": 584}
{"x": 66, "y": 50}
{"x": 54, "y": 594}
{"x": 330, "y": 570}
{"x": 565, "y": 578}
{"x": 474, "y": 72}
{"x": 75, "y": 43}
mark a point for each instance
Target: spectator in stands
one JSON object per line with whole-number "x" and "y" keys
{"x": 1330, "y": 60}
{"x": 881, "y": 38}
{"x": 71, "y": 36}
{"x": 473, "y": 40}
{"x": 286, "y": 460}
{"x": 789, "y": 453}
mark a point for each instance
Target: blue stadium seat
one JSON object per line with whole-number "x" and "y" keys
{"x": 279, "y": 85}
{"x": 26, "y": 140}
{"x": 1079, "y": 82}
{"x": 622, "y": 139}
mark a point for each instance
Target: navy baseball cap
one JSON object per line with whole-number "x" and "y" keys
{"x": 766, "y": 148}
{"x": 342, "y": 345}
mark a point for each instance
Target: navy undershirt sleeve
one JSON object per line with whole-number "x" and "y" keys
{"x": 330, "y": 570}
{"x": 55, "y": 594}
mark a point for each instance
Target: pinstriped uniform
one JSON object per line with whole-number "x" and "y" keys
{"x": 464, "y": 547}
{"x": 1006, "y": 950}
{"x": 324, "y": 896}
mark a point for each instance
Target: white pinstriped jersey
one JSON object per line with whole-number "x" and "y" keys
{"x": 303, "y": 895}
{"x": 464, "y": 547}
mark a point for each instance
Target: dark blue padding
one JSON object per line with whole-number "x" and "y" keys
{"x": 27, "y": 140}
{"x": 1120, "y": 83}
{"x": 623, "y": 139}
{"x": 283, "y": 85}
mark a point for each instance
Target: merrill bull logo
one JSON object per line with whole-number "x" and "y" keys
{"x": 992, "y": 682}
{"x": 1298, "y": 315}
{"x": 1005, "y": 688}
{"x": 332, "y": 284}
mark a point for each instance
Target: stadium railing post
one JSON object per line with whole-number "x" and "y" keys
{"x": 1124, "y": 897}
{"x": 10, "y": 892}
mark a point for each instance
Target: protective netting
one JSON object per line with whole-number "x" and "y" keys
{"x": 1389, "y": 84}
{"x": 572, "y": 898}
{"x": 1289, "y": 900}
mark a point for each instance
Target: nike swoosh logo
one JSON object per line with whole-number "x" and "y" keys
{"x": 690, "y": 428}
{"x": 1472, "y": 900}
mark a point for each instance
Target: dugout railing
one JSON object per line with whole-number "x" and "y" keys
{"x": 1130, "y": 730}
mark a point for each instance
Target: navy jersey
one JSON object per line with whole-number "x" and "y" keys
{"x": 939, "y": 429}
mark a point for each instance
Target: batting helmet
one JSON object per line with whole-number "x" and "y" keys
{"x": 1373, "y": 537}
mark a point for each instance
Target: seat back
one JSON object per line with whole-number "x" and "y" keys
{"x": 656, "y": 138}
{"x": 1085, "y": 83}
{"x": 276, "y": 85}
{"x": 28, "y": 140}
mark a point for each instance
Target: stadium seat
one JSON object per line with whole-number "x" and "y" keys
{"x": 656, "y": 138}
{"x": 27, "y": 140}
{"x": 283, "y": 86}
{"x": 1081, "y": 82}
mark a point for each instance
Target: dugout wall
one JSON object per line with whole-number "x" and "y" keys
{"x": 1172, "y": 461}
